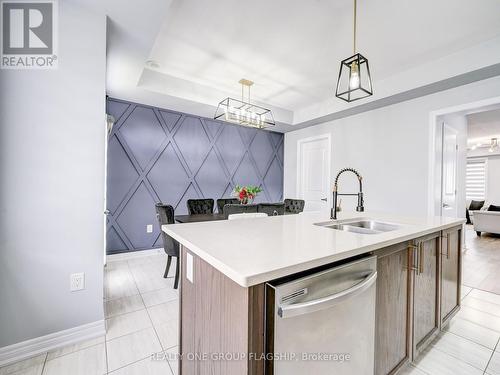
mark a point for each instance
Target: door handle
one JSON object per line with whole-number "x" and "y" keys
{"x": 106, "y": 212}
{"x": 445, "y": 205}
{"x": 324, "y": 199}
{"x": 414, "y": 256}
{"x": 295, "y": 309}
{"x": 421, "y": 258}
{"x": 448, "y": 246}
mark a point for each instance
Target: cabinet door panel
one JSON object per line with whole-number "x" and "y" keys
{"x": 391, "y": 347}
{"x": 425, "y": 289}
{"x": 450, "y": 266}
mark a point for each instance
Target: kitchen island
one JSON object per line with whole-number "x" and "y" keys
{"x": 227, "y": 267}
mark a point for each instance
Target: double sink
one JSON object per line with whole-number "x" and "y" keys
{"x": 361, "y": 226}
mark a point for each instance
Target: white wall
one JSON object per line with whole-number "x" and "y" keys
{"x": 389, "y": 146}
{"x": 52, "y": 173}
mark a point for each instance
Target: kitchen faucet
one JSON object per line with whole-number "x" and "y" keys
{"x": 360, "y": 207}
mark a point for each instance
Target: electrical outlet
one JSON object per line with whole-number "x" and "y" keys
{"x": 77, "y": 281}
{"x": 189, "y": 267}
{"x": 149, "y": 228}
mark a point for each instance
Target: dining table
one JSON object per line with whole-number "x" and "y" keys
{"x": 198, "y": 217}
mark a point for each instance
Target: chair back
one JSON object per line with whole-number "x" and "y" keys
{"x": 223, "y": 201}
{"x": 200, "y": 206}
{"x": 248, "y": 215}
{"x": 230, "y": 209}
{"x": 294, "y": 206}
{"x": 165, "y": 215}
{"x": 272, "y": 209}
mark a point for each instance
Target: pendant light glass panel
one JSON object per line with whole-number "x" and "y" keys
{"x": 354, "y": 80}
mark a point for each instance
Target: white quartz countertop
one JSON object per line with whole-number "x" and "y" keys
{"x": 252, "y": 251}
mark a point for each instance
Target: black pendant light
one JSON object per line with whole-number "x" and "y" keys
{"x": 354, "y": 81}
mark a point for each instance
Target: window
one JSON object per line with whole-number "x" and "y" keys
{"x": 475, "y": 186}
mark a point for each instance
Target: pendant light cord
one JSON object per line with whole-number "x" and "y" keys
{"x": 354, "y": 44}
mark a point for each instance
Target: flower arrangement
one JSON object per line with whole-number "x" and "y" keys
{"x": 246, "y": 194}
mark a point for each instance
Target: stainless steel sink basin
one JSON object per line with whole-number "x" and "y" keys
{"x": 362, "y": 226}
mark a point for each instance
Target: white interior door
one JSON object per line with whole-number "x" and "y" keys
{"x": 313, "y": 183}
{"x": 449, "y": 172}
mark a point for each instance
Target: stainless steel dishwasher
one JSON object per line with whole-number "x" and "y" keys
{"x": 323, "y": 323}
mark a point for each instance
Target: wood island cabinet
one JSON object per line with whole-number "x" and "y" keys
{"x": 418, "y": 292}
{"x": 451, "y": 265}
{"x": 391, "y": 329}
{"x": 425, "y": 302}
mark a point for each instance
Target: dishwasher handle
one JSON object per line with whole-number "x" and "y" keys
{"x": 288, "y": 311}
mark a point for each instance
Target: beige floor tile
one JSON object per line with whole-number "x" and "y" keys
{"x": 173, "y": 359}
{"x": 411, "y": 370}
{"x": 485, "y": 296}
{"x": 164, "y": 312}
{"x": 148, "y": 366}
{"x": 168, "y": 333}
{"x": 89, "y": 361}
{"x": 481, "y": 305}
{"x": 494, "y": 365}
{"x": 116, "y": 264}
{"x": 481, "y": 318}
{"x": 159, "y": 296}
{"x": 465, "y": 290}
{"x": 474, "y": 354}
{"x": 436, "y": 362}
{"x": 128, "y": 349}
{"x": 123, "y": 305}
{"x": 152, "y": 280}
{"x": 31, "y": 364}
{"x": 119, "y": 283}
{"x": 474, "y": 332}
{"x": 127, "y": 323}
{"x": 75, "y": 347}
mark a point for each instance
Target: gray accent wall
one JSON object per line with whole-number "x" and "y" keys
{"x": 157, "y": 155}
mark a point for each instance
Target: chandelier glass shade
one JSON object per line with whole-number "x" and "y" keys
{"x": 242, "y": 112}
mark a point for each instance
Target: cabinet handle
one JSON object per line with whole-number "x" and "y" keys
{"x": 413, "y": 257}
{"x": 421, "y": 257}
{"x": 448, "y": 246}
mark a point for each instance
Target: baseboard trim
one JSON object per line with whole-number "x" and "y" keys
{"x": 42, "y": 344}
{"x": 133, "y": 255}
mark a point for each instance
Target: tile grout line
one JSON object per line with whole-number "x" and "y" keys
{"x": 147, "y": 312}
{"x": 152, "y": 323}
{"x": 106, "y": 341}
{"x": 459, "y": 359}
{"x": 466, "y": 338}
{"x": 491, "y": 357}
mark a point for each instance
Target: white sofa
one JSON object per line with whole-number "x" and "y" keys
{"x": 486, "y": 221}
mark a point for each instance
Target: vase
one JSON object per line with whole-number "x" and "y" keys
{"x": 246, "y": 201}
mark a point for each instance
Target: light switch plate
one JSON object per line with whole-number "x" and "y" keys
{"x": 149, "y": 228}
{"x": 189, "y": 267}
{"x": 77, "y": 281}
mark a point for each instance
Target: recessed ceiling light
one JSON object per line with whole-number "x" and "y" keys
{"x": 152, "y": 64}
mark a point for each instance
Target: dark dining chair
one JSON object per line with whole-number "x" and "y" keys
{"x": 200, "y": 206}
{"x": 294, "y": 206}
{"x": 230, "y": 209}
{"x": 272, "y": 209}
{"x": 223, "y": 201}
{"x": 165, "y": 215}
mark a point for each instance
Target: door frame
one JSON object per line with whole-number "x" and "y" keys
{"x": 443, "y": 126}
{"x": 300, "y": 143}
{"x": 433, "y": 124}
